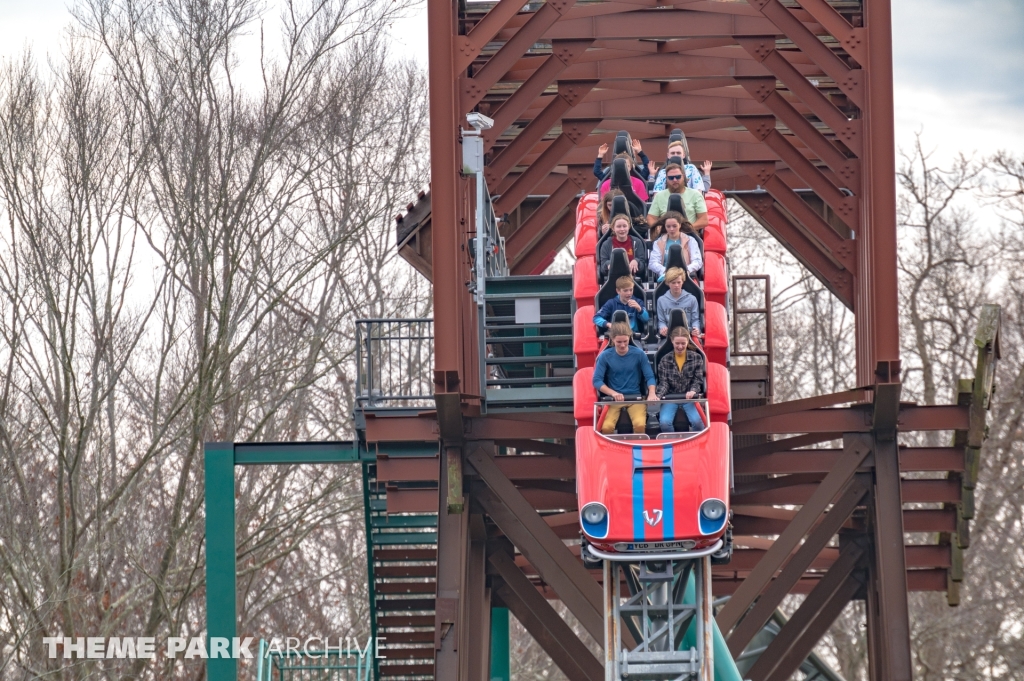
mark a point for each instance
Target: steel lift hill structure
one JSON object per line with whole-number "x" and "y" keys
{"x": 469, "y": 478}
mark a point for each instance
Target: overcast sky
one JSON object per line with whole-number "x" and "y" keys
{"x": 959, "y": 65}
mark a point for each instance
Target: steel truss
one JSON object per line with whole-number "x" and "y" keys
{"x": 793, "y": 102}
{"x": 660, "y": 607}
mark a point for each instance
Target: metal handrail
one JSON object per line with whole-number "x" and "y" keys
{"x": 766, "y": 311}
{"x": 394, "y": 362}
{"x": 488, "y": 240}
{"x": 322, "y": 665}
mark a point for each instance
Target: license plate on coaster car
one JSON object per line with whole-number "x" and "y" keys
{"x": 655, "y": 546}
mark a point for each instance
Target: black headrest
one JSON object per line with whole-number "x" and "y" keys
{"x": 622, "y": 144}
{"x": 619, "y": 268}
{"x": 620, "y": 316}
{"x": 620, "y": 206}
{"x": 674, "y": 159}
{"x": 675, "y": 257}
{"x": 620, "y": 179}
{"x": 689, "y": 285}
{"x": 676, "y": 318}
{"x": 620, "y": 176}
{"x": 675, "y": 202}
{"x": 676, "y": 134}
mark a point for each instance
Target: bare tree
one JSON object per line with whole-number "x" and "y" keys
{"x": 183, "y": 260}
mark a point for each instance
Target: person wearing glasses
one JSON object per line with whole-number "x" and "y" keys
{"x": 693, "y": 201}
{"x": 699, "y": 180}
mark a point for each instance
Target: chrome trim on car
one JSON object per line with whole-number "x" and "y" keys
{"x": 638, "y": 556}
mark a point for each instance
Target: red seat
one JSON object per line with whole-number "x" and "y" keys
{"x": 719, "y": 399}
{"x": 584, "y": 396}
{"x": 714, "y": 278}
{"x": 586, "y": 244}
{"x": 714, "y": 239}
{"x": 587, "y": 223}
{"x": 716, "y": 333}
{"x": 584, "y": 281}
{"x": 584, "y": 337}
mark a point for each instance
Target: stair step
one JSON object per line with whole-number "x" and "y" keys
{"x": 405, "y": 604}
{"x": 411, "y": 637}
{"x": 385, "y": 555}
{"x": 404, "y": 520}
{"x": 404, "y": 537}
{"x": 406, "y": 621}
{"x": 407, "y": 587}
{"x": 405, "y": 571}
{"x": 392, "y": 670}
{"x": 417, "y": 653}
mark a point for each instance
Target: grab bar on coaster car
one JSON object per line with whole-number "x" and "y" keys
{"x": 605, "y": 401}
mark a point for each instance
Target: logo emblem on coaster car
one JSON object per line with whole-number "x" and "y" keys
{"x": 654, "y": 519}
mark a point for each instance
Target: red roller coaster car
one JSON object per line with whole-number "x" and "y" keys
{"x": 666, "y": 496}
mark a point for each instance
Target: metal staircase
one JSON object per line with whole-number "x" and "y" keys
{"x": 527, "y": 343}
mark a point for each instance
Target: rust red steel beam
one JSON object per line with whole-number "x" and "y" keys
{"x": 796, "y": 566}
{"x": 849, "y": 132}
{"x": 763, "y": 90}
{"x": 788, "y": 407}
{"x": 474, "y": 88}
{"x": 424, "y": 428}
{"x": 563, "y": 54}
{"x": 853, "y": 40}
{"x": 912, "y": 459}
{"x": 450, "y": 604}
{"x": 665, "y": 23}
{"x": 518, "y": 520}
{"x": 877, "y": 318}
{"x": 538, "y": 171}
{"x": 546, "y": 627}
{"x": 468, "y": 46}
{"x": 849, "y": 80}
{"x": 913, "y": 492}
{"x": 798, "y": 527}
{"x": 919, "y": 556}
{"x": 569, "y": 94}
{"x": 523, "y": 469}
{"x": 814, "y": 616}
{"x": 535, "y": 258}
{"x": 856, "y": 420}
{"x": 838, "y": 248}
{"x": 846, "y": 207}
{"x": 444, "y": 168}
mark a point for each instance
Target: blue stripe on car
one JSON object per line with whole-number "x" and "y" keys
{"x": 668, "y": 494}
{"x": 638, "y": 494}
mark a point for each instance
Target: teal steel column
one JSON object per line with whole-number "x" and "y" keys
{"x": 219, "y": 467}
{"x": 500, "y": 664}
{"x": 725, "y": 666}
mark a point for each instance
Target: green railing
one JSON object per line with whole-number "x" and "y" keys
{"x": 314, "y": 665}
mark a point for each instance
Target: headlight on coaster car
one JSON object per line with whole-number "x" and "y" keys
{"x": 713, "y": 509}
{"x": 594, "y": 513}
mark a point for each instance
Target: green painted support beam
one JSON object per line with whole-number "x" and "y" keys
{"x": 285, "y": 453}
{"x": 725, "y": 666}
{"x": 221, "y": 615}
{"x": 501, "y": 665}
